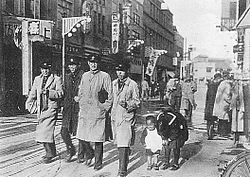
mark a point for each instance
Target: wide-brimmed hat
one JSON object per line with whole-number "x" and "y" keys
{"x": 94, "y": 58}
{"x": 45, "y": 65}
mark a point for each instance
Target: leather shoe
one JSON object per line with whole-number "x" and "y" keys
{"x": 70, "y": 154}
{"x": 88, "y": 162}
{"x": 165, "y": 166}
{"x": 99, "y": 167}
{"x": 80, "y": 160}
{"x": 47, "y": 160}
{"x": 175, "y": 167}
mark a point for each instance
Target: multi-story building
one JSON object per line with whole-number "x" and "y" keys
{"x": 159, "y": 34}
{"x": 205, "y": 67}
{"x": 78, "y": 45}
{"x": 178, "y": 48}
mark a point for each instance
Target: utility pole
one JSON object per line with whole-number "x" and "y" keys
{"x": 2, "y": 65}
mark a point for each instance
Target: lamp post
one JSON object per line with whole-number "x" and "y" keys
{"x": 69, "y": 26}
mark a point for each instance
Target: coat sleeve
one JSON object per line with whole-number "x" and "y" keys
{"x": 143, "y": 136}
{"x": 107, "y": 85}
{"x": 32, "y": 95}
{"x": 58, "y": 92}
{"x": 134, "y": 103}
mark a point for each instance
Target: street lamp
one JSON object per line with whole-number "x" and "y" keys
{"x": 70, "y": 26}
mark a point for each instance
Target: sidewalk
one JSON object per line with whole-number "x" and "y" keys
{"x": 20, "y": 156}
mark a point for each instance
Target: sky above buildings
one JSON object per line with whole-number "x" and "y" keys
{"x": 196, "y": 20}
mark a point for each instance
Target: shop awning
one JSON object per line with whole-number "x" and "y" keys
{"x": 170, "y": 73}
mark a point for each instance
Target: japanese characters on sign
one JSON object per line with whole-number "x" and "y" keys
{"x": 154, "y": 55}
{"x": 115, "y": 32}
{"x": 41, "y": 28}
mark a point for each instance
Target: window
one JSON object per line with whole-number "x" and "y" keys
{"x": 137, "y": 19}
{"x": 103, "y": 22}
{"x": 10, "y": 6}
{"x": 209, "y": 69}
{"x": 99, "y": 23}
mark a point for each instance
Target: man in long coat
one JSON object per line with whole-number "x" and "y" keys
{"x": 95, "y": 99}
{"x": 222, "y": 105}
{"x": 70, "y": 106}
{"x": 46, "y": 91}
{"x": 126, "y": 101}
{"x": 189, "y": 87}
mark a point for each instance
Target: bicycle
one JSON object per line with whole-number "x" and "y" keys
{"x": 239, "y": 166}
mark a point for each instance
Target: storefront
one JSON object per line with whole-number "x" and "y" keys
{"x": 243, "y": 29}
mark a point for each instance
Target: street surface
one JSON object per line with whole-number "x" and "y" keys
{"x": 20, "y": 155}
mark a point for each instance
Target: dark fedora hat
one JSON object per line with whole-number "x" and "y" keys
{"x": 45, "y": 65}
{"x": 94, "y": 58}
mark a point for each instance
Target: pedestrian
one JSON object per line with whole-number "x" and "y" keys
{"x": 222, "y": 105}
{"x": 172, "y": 127}
{"x": 152, "y": 141}
{"x": 189, "y": 87}
{"x": 95, "y": 99}
{"x": 212, "y": 87}
{"x": 174, "y": 93}
{"x": 238, "y": 110}
{"x": 145, "y": 90}
{"x": 70, "y": 106}
{"x": 126, "y": 102}
{"x": 152, "y": 88}
{"x": 162, "y": 87}
{"x": 46, "y": 91}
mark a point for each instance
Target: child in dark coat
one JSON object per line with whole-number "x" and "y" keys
{"x": 173, "y": 129}
{"x": 152, "y": 141}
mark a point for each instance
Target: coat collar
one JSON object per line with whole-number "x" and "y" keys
{"x": 49, "y": 81}
{"x": 127, "y": 81}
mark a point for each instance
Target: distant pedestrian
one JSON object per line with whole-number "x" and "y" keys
{"x": 222, "y": 105}
{"x": 174, "y": 132}
{"x": 152, "y": 141}
{"x": 46, "y": 90}
{"x": 126, "y": 102}
{"x": 162, "y": 87}
{"x": 152, "y": 88}
{"x": 145, "y": 90}
{"x": 189, "y": 87}
{"x": 212, "y": 87}
{"x": 95, "y": 99}
{"x": 174, "y": 92}
{"x": 70, "y": 106}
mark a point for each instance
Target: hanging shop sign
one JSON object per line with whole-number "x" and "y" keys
{"x": 115, "y": 32}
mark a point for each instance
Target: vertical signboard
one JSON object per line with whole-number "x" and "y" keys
{"x": 115, "y": 32}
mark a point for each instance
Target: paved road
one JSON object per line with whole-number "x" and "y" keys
{"x": 20, "y": 155}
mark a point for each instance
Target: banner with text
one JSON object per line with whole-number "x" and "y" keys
{"x": 153, "y": 57}
{"x": 115, "y": 32}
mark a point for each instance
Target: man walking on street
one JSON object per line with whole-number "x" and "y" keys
{"x": 162, "y": 87}
{"x": 145, "y": 89}
{"x": 126, "y": 101}
{"x": 46, "y": 90}
{"x": 95, "y": 99}
{"x": 70, "y": 107}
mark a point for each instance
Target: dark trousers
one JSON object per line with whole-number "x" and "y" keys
{"x": 123, "y": 159}
{"x": 67, "y": 138}
{"x": 50, "y": 149}
{"x": 167, "y": 152}
{"x": 85, "y": 149}
{"x": 188, "y": 113}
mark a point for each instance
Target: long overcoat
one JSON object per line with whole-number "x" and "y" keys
{"x": 188, "y": 90}
{"x": 212, "y": 88}
{"x": 123, "y": 119}
{"x": 237, "y": 107}
{"x": 223, "y": 100}
{"x": 91, "y": 122}
{"x": 70, "y": 106}
{"x": 46, "y": 118}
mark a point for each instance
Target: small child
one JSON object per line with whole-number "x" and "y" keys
{"x": 152, "y": 142}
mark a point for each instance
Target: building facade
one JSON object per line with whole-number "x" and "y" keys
{"x": 159, "y": 34}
